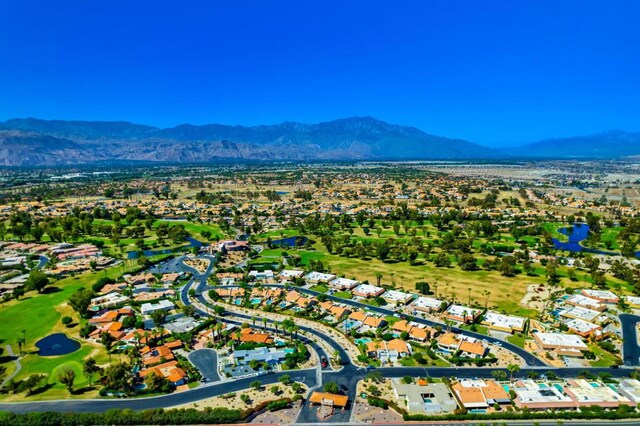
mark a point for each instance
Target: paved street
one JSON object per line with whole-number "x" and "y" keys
{"x": 529, "y": 358}
{"x": 307, "y": 377}
{"x": 630, "y": 348}
{"x": 206, "y": 361}
{"x": 346, "y": 378}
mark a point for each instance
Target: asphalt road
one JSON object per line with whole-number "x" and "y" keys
{"x": 529, "y": 358}
{"x": 346, "y": 378}
{"x": 206, "y": 361}
{"x": 630, "y": 348}
{"x": 307, "y": 376}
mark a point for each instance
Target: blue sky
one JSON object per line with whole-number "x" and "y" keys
{"x": 493, "y": 72}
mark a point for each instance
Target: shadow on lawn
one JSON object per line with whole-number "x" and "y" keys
{"x": 84, "y": 390}
{"x": 41, "y": 389}
{"x": 7, "y": 358}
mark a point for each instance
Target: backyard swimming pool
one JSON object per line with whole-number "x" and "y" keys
{"x": 362, "y": 341}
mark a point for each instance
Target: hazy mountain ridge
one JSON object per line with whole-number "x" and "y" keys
{"x": 25, "y": 142}
{"x": 612, "y": 144}
{"x": 356, "y": 138}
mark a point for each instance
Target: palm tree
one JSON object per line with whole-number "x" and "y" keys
{"x": 264, "y": 322}
{"x": 513, "y": 369}
{"x": 486, "y": 293}
{"x": 378, "y": 277}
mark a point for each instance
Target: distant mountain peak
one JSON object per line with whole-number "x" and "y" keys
{"x": 351, "y": 138}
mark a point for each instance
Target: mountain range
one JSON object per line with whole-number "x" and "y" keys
{"x": 35, "y": 142}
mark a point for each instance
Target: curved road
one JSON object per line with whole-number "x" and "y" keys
{"x": 529, "y": 358}
{"x": 346, "y": 378}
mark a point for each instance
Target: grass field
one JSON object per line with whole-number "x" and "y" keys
{"x": 451, "y": 283}
{"x": 39, "y": 315}
{"x": 605, "y": 359}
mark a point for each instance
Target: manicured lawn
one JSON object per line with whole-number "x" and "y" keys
{"x": 320, "y": 288}
{"x": 39, "y": 315}
{"x": 196, "y": 228}
{"x": 450, "y": 282}
{"x": 274, "y": 252}
{"x": 609, "y": 238}
{"x": 515, "y": 308}
{"x": 552, "y": 227}
{"x": 343, "y": 294}
{"x": 605, "y": 359}
{"x": 479, "y": 328}
{"x": 306, "y": 256}
{"x": 517, "y": 340}
{"x": 275, "y": 235}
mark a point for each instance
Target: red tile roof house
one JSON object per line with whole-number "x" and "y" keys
{"x": 170, "y": 371}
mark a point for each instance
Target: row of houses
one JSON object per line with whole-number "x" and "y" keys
{"x": 485, "y": 394}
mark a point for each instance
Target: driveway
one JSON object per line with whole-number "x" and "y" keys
{"x": 206, "y": 361}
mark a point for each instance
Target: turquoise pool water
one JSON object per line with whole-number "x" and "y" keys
{"x": 557, "y": 386}
{"x": 289, "y": 350}
{"x": 256, "y": 301}
{"x": 594, "y": 384}
{"x": 362, "y": 341}
{"x": 543, "y": 386}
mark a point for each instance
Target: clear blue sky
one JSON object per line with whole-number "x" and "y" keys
{"x": 494, "y": 72}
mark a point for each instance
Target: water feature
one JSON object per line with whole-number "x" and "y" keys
{"x": 290, "y": 242}
{"x": 56, "y": 344}
{"x": 576, "y": 234}
{"x": 193, "y": 243}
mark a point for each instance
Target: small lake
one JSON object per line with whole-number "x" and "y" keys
{"x": 148, "y": 253}
{"x": 577, "y": 233}
{"x": 290, "y": 242}
{"x": 56, "y": 344}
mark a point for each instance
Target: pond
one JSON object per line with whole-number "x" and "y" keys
{"x": 576, "y": 234}
{"x": 290, "y": 242}
{"x": 149, "y": 253}
{"x": 56, "y": 344}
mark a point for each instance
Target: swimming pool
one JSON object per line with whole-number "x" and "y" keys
{"x": 543, "y": 386}
{"x": 256, "y": 301}
{"x": 350, "y": 324}
{"x": 557, "y": 386}
{"x": 362, "y": 341}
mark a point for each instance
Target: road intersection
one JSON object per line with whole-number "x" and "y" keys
{"x": 345, "y": 376}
